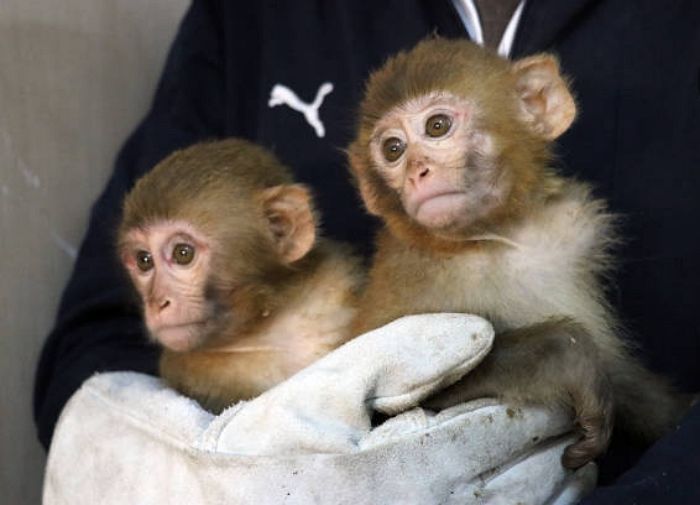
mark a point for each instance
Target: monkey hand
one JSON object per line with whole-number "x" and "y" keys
{"x": 572, "y": 373}
{"x": 567, "y": 371}
{"x": 592, "y": 402}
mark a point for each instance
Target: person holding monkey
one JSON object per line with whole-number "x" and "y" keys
{"x": 273, "y": 74}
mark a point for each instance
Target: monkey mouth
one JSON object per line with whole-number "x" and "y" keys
{"x": 174, "y": 326}
{"x": 435, "y": 209}
{"x": 180, "y": 336}
{"x": 432, "y": 195}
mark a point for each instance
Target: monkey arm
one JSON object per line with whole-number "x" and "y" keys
{"x": 554, "y": 362}
{"x": 96, "y": 329}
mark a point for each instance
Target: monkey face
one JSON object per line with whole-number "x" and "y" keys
{"x": 169, "y": 263}
{"x": 440, "y": 163}
{"x": 453, "y": 141}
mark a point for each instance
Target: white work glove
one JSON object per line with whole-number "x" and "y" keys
{"x": 126, "y": 438}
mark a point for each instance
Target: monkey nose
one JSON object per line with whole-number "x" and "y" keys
{"x": 419, "y": 173}
{"x": 160, "y": 304}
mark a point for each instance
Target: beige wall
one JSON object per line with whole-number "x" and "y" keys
{"x": 75, "y": 77}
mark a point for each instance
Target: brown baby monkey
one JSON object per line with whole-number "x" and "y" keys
{"x": 453, "y": 152}
{"x": 235, "y": 283}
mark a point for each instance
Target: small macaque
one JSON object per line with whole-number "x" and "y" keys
{"x": 452, "y": 153}
{"x": 235, "y": 283}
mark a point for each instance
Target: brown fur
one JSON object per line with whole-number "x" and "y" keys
{"x": 532, "y": 265}
{"x": 275, "y": 297}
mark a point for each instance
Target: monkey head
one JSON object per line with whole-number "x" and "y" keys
{"x": 207, "y": 238}
{"x": 453, "y": 140}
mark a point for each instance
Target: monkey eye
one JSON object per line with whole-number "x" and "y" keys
{"x": 438, "y": 125}
{"x": 144, "y": 261}
{"x": 183, "y": 254}
{"x": 393, "y": 148}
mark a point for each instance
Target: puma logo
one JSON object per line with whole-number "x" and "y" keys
{"x": 281, "y": 94}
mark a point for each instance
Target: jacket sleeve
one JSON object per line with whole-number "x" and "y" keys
{"x": 98, "y": 327}
{"x": 666, "y": 473}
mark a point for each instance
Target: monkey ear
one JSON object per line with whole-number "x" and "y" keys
{"x": 368, "y": 195}
{"x": 366, "y": 187}
{"x": 545, "y": 101}
{"x": 291, "y": 220}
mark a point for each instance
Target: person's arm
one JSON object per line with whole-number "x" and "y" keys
{"x": 97, "y": 328}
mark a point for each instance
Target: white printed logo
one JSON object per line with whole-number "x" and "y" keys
{"x": 281, "y": 94}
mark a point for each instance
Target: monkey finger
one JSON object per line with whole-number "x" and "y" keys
{"x": 596, "y": 425}
{"x": 585, "y": 450}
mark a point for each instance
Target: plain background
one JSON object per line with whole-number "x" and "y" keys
{"x": 75, "y": 78}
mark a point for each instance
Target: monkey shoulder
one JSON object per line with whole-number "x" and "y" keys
{"x": 344, "y": 266}
{"x": 316, "y": 316}
{"x": 554, "y": 263}
{"x": 570, "y": 229}
{"x": 401, "y": 281}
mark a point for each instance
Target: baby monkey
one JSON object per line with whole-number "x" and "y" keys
{"x": 453, "y": 152}
{"x": 235, "y": 284}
